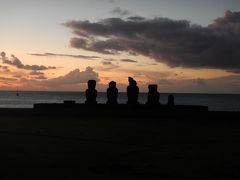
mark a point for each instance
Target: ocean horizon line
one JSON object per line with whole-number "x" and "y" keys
{"x": 143, "y": 92}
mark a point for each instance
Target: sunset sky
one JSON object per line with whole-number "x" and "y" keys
{"x": 190, "y": 46}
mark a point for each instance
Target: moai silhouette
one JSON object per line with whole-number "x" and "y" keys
{"x": 153, "y": 95}
{"x": 132, "y": 92}
{"x": 91, "y": 93}
{"x": 112, "y": 93}
{"x": 171, "y": 100}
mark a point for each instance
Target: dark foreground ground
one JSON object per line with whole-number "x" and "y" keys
{"x": 195, "y": 146}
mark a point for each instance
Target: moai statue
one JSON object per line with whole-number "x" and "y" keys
{"x": 153, "y": 95}
{"x": 112, "y": 93}
{"x": 132, "y": 92}
{"x": 171, "y": 100}
{"x": 91, "y": 93}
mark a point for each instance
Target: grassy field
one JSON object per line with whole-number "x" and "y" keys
{"x": 44, "y": 147}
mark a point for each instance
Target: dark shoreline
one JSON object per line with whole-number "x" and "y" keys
{"x": 121, "y": 110}
{"x": 46, "y": 143}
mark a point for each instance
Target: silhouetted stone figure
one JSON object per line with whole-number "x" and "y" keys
{"x": 171, "y": 100}
{"x": 132, "y": 92}
{"x": 153, "y": 95}
{"x": 91, "y": 92}
{"x": 112, "y": 93}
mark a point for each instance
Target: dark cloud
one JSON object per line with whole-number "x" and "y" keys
{"x": 136, "y": 18}
{"x": 36, "y": 73}
{"x": 128, "y": 60}
{"x": 66, "y": 55}
{"x": 119, "y": 11}
{"x": 107, "y": 66}
{"x": 106, "y": 63}
{"x": 122, "y": 60}
{"x": 18, "y": 64}
{"x": 3, "y": 55}
{"x": 110, "y": 59}
{"x": 177, "y": 43}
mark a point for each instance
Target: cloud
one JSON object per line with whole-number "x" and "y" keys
{"x": 122, "y": 60}
{"x": 106, "y": 63}
{"x": 110, "y": 59}
{"x": 128, "y": 60}
{"x": 119, "y": 11}
{"x": 18, "y": 64}
{"x": 18, "y": 76}
{"x": 7, "y": 79}
{"x": 4, "y": 68}
{"x": 36, "y": 73}
{"x": 74, "y": 80}
{"x": 177, "y": 43}
{"x": 66, "y": 55}
{"x": 74, "y": 77}
{"x": 107, "y": 66}
{"x": 40, "y": 77}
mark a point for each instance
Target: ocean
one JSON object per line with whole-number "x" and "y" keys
{"x": 26, "y": 99}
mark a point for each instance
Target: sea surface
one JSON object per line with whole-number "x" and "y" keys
{"x": 26, "y": 99}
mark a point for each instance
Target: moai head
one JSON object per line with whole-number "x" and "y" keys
{"x": 131, "y": 81}
{"x": 112, "y": 84}
{"x": 91, "y": 84}
{"x": 152, "y": 88}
